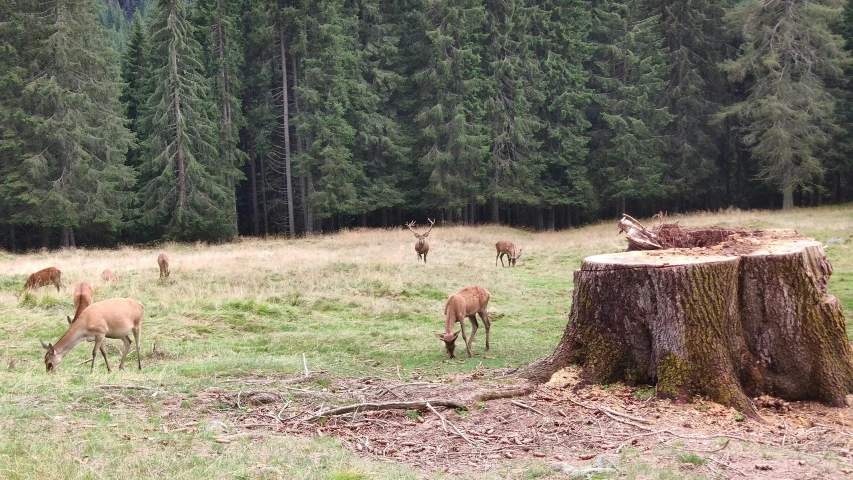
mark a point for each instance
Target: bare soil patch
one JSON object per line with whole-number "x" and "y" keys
{"x": 564, "y": 420}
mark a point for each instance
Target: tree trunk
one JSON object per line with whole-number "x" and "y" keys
{"x": 254, "y": 182}
{"x": 291, "y": 221}
{"x": 264, "y": 196}
{"x": 741, "y": 318}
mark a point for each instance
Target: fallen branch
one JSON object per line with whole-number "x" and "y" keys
{"x": 365, "y": 407}
{"x": 630, "y": 417}
{"x": 524, "y": 405}
{"x": 445, "y": 422}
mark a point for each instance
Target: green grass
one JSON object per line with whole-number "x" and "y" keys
{"x": 356, "y": 304}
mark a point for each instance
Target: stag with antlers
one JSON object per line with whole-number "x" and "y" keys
{"x": 421, "y": 246}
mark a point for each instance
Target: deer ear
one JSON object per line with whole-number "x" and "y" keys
{"x": 439, "y": 335}
{"x": 425, "y": 235}
{"x": 68, "y": 318}
{"x": 455, "y": 335}
{"x": 46, "y": 347}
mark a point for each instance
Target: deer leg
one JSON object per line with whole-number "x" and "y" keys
{"x": 502, "y": 259}
{"x": 474, "y": 327}
{"x": 425, "y": 254}
{"x": 124, "y": 350}
{"x": 137, "y": 331}
{"x": 488, "y": 324}
{"x": 98, "y": 347}
{"x": 464, "y": 336}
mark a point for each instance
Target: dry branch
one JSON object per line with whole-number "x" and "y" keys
{"x": 365, "y": 407}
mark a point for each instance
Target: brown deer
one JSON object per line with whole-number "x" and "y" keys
{"x": 163, "y": 261}
{"x": 109, "y": 276}
{"x": 421, "y": 246}
{"x": 467, "y": 302}
{"x": 45, "y": 277}
{"x": 113, "y": 318}
{"x": 82, "y": 299}
{"x": 507, "y": 248}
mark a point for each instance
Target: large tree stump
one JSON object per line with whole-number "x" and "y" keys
{"x": 730, "y": 321}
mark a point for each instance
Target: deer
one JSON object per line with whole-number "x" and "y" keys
{"x": 163, "y": 262}
{"x": 507, "y": 248}
{"x": 113, "y": 318}
{"x": 421, "y": 246}
{"x": 45, "y": 277}
{"x": 82, "y": 299}
{"x": 109, "y": 276}
{"x": 468, "y": 302}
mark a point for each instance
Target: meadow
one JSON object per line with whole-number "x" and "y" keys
{"x": 355, "y": 304}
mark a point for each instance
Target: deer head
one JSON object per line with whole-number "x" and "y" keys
{"x": 421, "y": 246}
{"x": 449, "y": 340}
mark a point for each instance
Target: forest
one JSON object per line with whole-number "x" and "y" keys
{"x": 128, "y": 122}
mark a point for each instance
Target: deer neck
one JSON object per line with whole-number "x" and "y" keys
{"x": 70, "y": 339}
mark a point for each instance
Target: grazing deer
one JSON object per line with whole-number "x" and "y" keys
{"x": 507, "y": 248}
{"x": 113, "y": 318}
{"x": 45, "y": 277}
{"x": 109, "y": 276}
{"x": 163, "y": 261}
{"x": 82, "y": 299}
{"x": 421, "y": 246}
{"x": 467, "y": 302}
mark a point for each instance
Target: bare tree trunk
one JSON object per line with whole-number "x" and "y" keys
{"x": 264, "y": 195}
{"x": 495, "y": 211}
{"x": 254, "y": 182}
{"x": 385, "y": 217}
{"x": 291, "y": 222}
{"x": 71, "y": 240}
{"x": 307, "y": 218}
{"x": 552, "y": 218}
{"x": 45, "y": 238}
{"x": 63, "y": 237}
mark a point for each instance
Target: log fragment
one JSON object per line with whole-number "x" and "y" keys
{"x": 733, "y": 320}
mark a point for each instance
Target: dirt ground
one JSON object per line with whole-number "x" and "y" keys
{"x": 562, "y": 421}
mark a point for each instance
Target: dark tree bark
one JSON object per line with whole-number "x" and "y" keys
{"x": 254, "y": 182}
{"x": 291, "y": 221}
{"x": 745, "y": 317}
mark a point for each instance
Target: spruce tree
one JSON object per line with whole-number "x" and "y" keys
{"x": 559, "y": 38}
{"x": 452, "y": 141}
{"x": 188, "y": 191}
{"x": 630, "y": 117}
{"x": 788, "y": 52}
{"x": 66, "y": 167}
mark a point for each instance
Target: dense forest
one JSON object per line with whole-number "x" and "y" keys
{"x": 129, "y": 121}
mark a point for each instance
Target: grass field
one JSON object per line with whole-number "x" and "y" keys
{"x": 355, "y": 304}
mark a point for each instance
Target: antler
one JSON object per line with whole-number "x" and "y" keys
{"x": 410, "y": 225}
{"x": 431, "y": 224}
{"x": 518, "y": 253}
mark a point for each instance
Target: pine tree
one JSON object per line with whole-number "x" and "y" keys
{"x": 329, "y": 78}
{"x": 629, "y": 71}
{"x": 694, "y": 90}
{"x": 452, "y": 141}
{"x": 559, "y": 34}
{"x": 135, "y": 75}
{"x": 787, "y": 52}
{"x": 380, "y": 145}
{"x": 188, "y": 193}
{"x": 509, "y": 63}
{"x": 67, "y": 168}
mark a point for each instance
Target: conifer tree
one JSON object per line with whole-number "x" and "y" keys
{"x": 66, "y": 169}
{"x": 135, "y": 76}
{"x": 452, "y": 141}
{"x": 188, "y": 191}
{"x": 559, "y": 38}
{"x": 629, "y": 69}
{"x": 788, "y": 52}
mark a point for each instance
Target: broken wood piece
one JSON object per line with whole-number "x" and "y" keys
{"x": 365, "y": 407}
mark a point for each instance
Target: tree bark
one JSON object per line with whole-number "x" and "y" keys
{"x": 254, "y": 182}
{"x": 291, "y": 222}
{"x": 745, "y": 317}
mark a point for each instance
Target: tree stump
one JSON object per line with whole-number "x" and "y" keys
{"x": 741, "y": 318}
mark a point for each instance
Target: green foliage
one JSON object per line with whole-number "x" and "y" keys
{"x": 692, "y": 459}
{"x": 788, "y": 52}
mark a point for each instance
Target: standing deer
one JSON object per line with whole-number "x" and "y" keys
{"x": 45, "y": 277}
{"x": 82, "y": 299}
{"x": 467, "y": 302}
{"x": 109, "y": 276}
{"x": 113, "y": 318}
{"x": 163, "y": 262}
{"x": 421, "y": 246}
{"x": 507, "y": 248}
